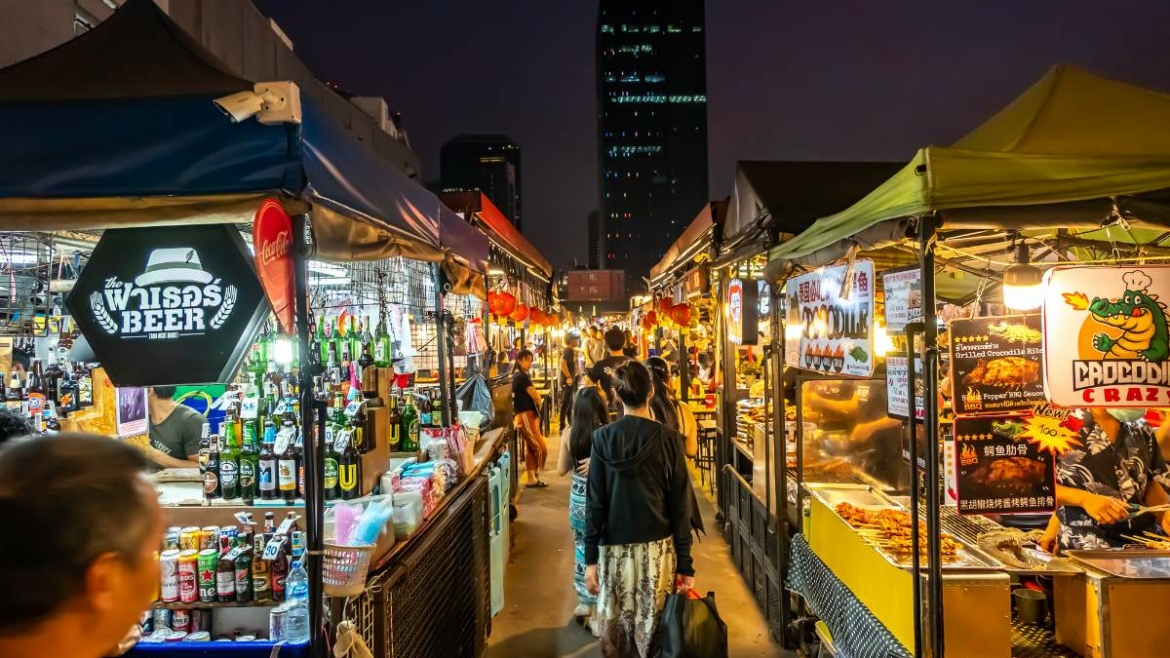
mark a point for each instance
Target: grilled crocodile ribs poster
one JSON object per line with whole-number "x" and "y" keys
{"x": 1000, "y": 469}
{"x": 996, "y": 363}
{"x": 1107, "y": 336}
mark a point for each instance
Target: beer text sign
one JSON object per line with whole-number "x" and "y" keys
{"x": 1107, "y": 336}
{"x": 174, "y": 305}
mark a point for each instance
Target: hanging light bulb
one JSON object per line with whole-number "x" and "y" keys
{"x": 882, "y": 343}
{"x": 1021, "y": 283}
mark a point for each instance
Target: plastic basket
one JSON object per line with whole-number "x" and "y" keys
{"x": 345, "y": 568}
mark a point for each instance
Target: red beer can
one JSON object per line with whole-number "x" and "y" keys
{"x": 189, "y": 576}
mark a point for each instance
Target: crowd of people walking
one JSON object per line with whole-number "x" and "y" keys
{"x": 624, "y": 442}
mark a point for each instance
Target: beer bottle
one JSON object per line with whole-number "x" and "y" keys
{"x": 366, "y": 360}
{"x": 349, "y": 469}
{"x": 261, "y": 576}
{"x": 382, "y": 348}
{"x": 249, "y": 464}
{"x": 355, "y": 339}
{"x": 211, "y": 484}
{"x": 394, "y": 419}
{"x": 204, "y": 450}
{"x": 424, "y": 409}
{"x": 332, "y": 489}
{"x": 245, "y": 576}
{"x": 84, "y": 387}
{"x": 225, "y": 579}
{"x": 322, "y": 338}
{"x": 437, "y": 409}
{"x": 337, "y": 339}
{"x": 229, "y": 461}
{"x": 12, "y": 394}
{"x": 408, "y": 440}
{"x": 35, "y": 383}
{"x": 279, "y": 570}
{"x": 286, "y": 462}
{"x": 299, "y": 451}
{"x": 266, "y": 466}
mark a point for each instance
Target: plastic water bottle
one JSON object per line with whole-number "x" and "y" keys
{"x": 297, "y": 604}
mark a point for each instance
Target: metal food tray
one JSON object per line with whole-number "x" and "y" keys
{"x": 968, "y": 559}
{"x": 1141, "y": 564}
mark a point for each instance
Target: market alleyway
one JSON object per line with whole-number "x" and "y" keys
{"x": 537, "y": 619}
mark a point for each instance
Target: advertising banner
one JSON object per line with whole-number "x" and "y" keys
{"x": 1001, "y": 468}
{"x": 898, "y": 388}
{"x": 903, "y": 298}
{"x": 834, "y": 324}
{"x": 272, "y": 244}
{"x": 1106, "y": 336}
{"x": 996, "y": 363}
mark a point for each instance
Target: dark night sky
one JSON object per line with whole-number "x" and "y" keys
{"x": 831, "y": 79}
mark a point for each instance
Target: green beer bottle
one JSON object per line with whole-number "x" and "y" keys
{"x": 249, "y": 464}
{"x": 382, "y": 348}
{"x": 229, "y": 460}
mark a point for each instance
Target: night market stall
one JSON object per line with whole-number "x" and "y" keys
{"x": 1004, "y": 285}
{"x": 158, "y": 209}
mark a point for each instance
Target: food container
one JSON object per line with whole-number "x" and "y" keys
{"x": 1112, "y": 609}
{"x": 1031, "y": 606}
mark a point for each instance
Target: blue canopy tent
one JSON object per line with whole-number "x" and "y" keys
{"x": 118, "y": 128}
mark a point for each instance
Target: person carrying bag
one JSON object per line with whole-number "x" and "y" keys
{"x": 692, "y": 628}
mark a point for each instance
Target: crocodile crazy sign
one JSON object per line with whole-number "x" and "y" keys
{"x": 175, "y": 305}
{"x": 1106, "y": 336}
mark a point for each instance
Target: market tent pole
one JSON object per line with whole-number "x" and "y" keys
{"x": 928, "y": 237}
{"x": 441, "y": 339}
{"x": 913, "y": 329}
{"x": 684, "y": 365}
{"x": 314, "y": 448}
{"x": 780, "y": 453}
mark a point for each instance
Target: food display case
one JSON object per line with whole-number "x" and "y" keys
{"x": 1105, "y": 612}
{"x": 976, "y": 590}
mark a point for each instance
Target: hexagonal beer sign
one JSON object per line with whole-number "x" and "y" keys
{"x": 169, "y": 305}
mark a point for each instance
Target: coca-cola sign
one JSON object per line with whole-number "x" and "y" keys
{"x": 173, "y": 305}
{"x": 272, "y": 242}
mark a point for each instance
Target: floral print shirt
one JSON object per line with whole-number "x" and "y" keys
{"x": 1123, "y": 469}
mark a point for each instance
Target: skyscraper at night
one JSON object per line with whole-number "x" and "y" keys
{"x": 488, "y": 163}
{"x": 652, "y": 127}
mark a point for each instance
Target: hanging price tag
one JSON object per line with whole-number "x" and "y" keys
{"x": 342, "y": 439}
{"x": 272, "y": 548}
{"x": 352, "y": 408}
{"x": 283, "y": 438}
{"x": 286, "y": 525}
{"x": 245, "y": 518}
{"x": 280, "y": 408}
{"x": 250, "y": 409}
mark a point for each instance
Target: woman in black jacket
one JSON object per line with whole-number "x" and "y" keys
{"x": 637, "y": 521}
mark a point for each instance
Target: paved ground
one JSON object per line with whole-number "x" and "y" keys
{"x": 537, "y": 622}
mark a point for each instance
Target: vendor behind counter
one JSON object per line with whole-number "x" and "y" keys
{"x": 857, "y": 411}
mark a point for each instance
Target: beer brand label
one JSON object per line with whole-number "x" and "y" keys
{"x": 267, "y": 470}
{"x": 330, "y": 473}
{"x": 347, "y": 477}
{"x": 225, "y": 583}
{"x": 210, "y": 482}
{"x": 228, "y": 474}
{"x": 287, "y": 476}
{"x": 260, "y": 582}
{"x": 379, "y": 352}
{"x": 188, "y": 587}
{"x": 247, "y": 473}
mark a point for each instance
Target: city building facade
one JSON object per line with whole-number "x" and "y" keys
{"x": 488, "y": 163}
{"x": 652, "y": 127}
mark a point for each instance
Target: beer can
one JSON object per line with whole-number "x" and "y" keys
{"x": 168, "y": 564}
{"x": 209, "y": 537}
{"x": 232, "y": 533}
{"x": 189, "y": 538}
{"x": 189, "y": 576}
{"x": 200, "y": 620}
{"x": 162, "y": 619}
{"x": 171, "y": 538}
{"x": 208, "y": 560}
{"x": 181, "y": 621}
{"x": 276, "y": 624}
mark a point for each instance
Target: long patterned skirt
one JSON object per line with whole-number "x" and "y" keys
{"x": 577, "y": 522}
{"x": 635, "y": 581}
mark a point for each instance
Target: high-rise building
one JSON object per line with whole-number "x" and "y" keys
{"x": 594, "y": 240}
{"x": 488, "y": 163}
{"x": 652, "y": 127}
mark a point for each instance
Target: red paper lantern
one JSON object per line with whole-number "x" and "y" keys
{"x": 649, "y": 320}
{"x": 535, "y": 317}
{"x": 502, "y": 304}
{"x": 665, "y": 304}
{"x": 681, "y": 314}
{"x": 520, "y": 314}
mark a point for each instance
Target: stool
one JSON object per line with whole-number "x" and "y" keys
{"x": 705, "y": 458}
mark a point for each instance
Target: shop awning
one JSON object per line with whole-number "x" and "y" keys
{"x": 695, "y": 238}
{"x": 117, "y": 128}
{"x": 788, "y": 196}
{"x": 1068, "y": 152}
{"x": 498, "y": 227}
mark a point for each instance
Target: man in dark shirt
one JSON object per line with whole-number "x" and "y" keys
{"x": 569, "y": 359}
{"x": 601, "y": 374}
{"x": 526, "y": 406}
{"x": 175, "y": 430}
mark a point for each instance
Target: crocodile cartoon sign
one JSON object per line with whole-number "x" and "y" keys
{"x": 1107, "y": 336}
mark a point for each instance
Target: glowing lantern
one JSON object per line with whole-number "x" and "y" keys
{"x": 520, "y": 314}
{"x": 681, "y": 314}
{"x": 649, "y": 320}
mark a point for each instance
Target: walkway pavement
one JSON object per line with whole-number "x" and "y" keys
{"x": 537, "y": 619}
